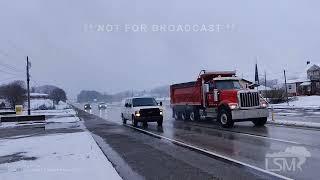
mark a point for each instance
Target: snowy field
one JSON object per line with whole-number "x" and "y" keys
{"x": 302, "y": 102}
{"x": 64, "y": 156}
{"x": 59, "y": 116}
{"x": 36, "y": 104}
{"x": 53, "y": 112}
{"x": 62, "y": 114}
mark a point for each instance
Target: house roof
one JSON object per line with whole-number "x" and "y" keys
{"x": 262, "y": 87}
{"x": 303, "y": 75}
{"x": 305, "y": 84}
{"x": 314, "y": 67}
{"x": 250, "y": 82}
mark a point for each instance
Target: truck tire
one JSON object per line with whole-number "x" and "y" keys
{"x": 145, "y": 124}
{"x": 184, "y": 116}
{"x": 134, "y": 122}
{"x": 194, "y": 115}
{"x": 160, "y": 122}
{"x": 260, "y": 121}
{"x": 124, "y": 121}
{"x": 177, "y": 115}
{"x": 225, "y": 118}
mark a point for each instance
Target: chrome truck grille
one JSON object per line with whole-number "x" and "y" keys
{"x": 249, "y": 99}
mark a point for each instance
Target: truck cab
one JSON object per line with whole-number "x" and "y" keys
{"x": 218, "y": 95}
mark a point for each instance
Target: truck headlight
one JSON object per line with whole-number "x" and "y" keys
{"x": 233, "y": 106}
{"x": 264, "y": 104}
{"x": 161, "y": 112}
{"x": 137, "y": 114}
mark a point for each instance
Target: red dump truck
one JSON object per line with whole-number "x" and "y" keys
{"x": 218, "y": 95}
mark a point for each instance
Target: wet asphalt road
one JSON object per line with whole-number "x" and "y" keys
{"x": 139, "y": 156}
{"x": 244, "y": 142}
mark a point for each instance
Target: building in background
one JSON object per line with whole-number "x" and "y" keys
{"x": 308, "y": 83}
{"x": 313, "y": 74}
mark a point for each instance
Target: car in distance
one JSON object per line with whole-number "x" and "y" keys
{"x": 102, "y": 106}
{"x": 87, "y": 107}
{"x": 142, "y": 109}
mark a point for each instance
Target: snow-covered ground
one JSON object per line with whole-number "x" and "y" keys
{"x": 63, "y": 119}
{"x": 53, "y": 112}
{"x": 302, "y": 102}
{"x": 43, "y": 104}
{"x": 63, "y": 114}
{"x": 64, "y": 156}
{"x": 36, "y": 104}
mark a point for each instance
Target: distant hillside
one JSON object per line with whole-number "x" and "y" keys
{"x": 162, "y": 91}
{"x": 90, "y": 96}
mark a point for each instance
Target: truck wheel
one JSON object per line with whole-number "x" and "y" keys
{"x": 184, "y": 116}
{"x": 124, "y": 121}
{"x": 225, "y": 118}
{"x": 260, "y": 121}
{"x": 134, "y": 122}
{"x": 177, "y": 115}
{"x": 160, "y": 122}
{"x": 145, "y": 124}
{"x": 194, "y": 115}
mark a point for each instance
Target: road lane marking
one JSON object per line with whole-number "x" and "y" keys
{"x": 247, "y": 134}
{"x": 209, "y": 153}
{"x": 253, "y": 135}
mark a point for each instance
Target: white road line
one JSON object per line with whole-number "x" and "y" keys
{"x": 211, "y": 153}
{"x": 252, "y": 135}
{"x": 269, "y": 138}
{"x": 280, "y": 140}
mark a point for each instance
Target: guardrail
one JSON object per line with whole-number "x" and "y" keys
{"x": 33, "y": 118}
{"x": 7, "y": 113}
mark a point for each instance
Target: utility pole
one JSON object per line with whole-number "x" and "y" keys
{"x": 28, "y": 85}
{"x": 285, "y": 82}
{"x": 265, "y": 81}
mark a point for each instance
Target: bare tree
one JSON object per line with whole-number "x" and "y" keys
{"x": 58, "y": 95}
{"x": 14, "y": 93}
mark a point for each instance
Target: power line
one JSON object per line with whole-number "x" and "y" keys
{"x": 10, "y": 67}
{"x": 5, "y": 64}
{"x": 1, "y": 70}
{"x": 7, "y": 79}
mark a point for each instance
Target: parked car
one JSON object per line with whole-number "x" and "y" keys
{"x": 87, "y": 107}
{"x": 102, "y": 106}
{"x": 142, "y": 109}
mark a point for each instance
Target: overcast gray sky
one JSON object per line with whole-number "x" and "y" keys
{"x": 67, "y": 52}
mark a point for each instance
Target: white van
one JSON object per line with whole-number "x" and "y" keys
{"x": 142, "y": 109}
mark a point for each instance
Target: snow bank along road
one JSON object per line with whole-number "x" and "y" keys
{"x": 296, "y": 117}
{"x": 61, "y": 149}
{"x": 194, "y": 150}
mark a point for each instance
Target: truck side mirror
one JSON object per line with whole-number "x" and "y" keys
{"x": 206, "y": 88}
{"x": 160, "y": 103}
{"x": 216, "y": 95}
